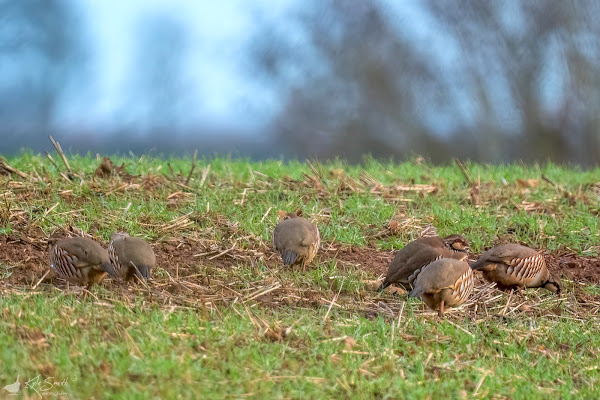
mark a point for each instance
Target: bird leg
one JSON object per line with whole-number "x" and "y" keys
{"x": 441, "y": 312}
{"x": 86, "y": 291}
{"x": 518, "y": 290}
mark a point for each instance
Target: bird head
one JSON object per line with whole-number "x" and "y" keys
{"x": 144, "y": 272}
{"x": 457, "y": 243}
{"x": 283, "y": 215}
{"x": 120, "y": 235}
{"x": 552, "y": 286}
{"x": 54, "y": 238}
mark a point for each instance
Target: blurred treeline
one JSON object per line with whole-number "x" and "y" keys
{"x": 486, "y": 80}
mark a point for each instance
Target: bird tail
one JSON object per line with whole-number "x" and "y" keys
{"x": 416, "y": 292}
{"x": 289, "y": 257}
{"x": 383, "y": 285}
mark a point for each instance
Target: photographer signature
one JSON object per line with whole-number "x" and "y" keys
{"x": 49, "y": 386}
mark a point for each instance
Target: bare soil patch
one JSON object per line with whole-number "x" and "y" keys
{"x": 373, "y": 261}
{"x": 578, "y": 269}
{"x": 26, "y": 260}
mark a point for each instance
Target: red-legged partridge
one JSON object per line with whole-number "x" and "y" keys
{"x": 409, "y": 261}
{"x": 296, "y": 239}
{"x": 444, "y": 283}
{"x": 130, "y": 256}
{"x": 513, "y": 265}
{"x": 79, "y": 260}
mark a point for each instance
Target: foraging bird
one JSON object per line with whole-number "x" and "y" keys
{"x": 105, "y": 169}
{"x": 296, "y": 239}
{"x": 13, "y": 387}
{"x": 130, "y": 256}
{"x": 513, "y": 265}
{"x": 79, "y": 260}
{"x": 409, "y": 261}
{"x": 444, "y": 283}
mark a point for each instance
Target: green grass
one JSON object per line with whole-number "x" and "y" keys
{"x": 127, "y": 344}
{"x": 348, "y": 214}
{"x": 224, "y": 355}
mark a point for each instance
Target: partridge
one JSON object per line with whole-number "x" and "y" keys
{"x": 444, "y": 283}
{"x": 296, "y": 239}
{"x": 409, "y": 261}
{"x": 513, "y": 265}
{"x": 79, "y": 260}
{"x": 130, "y": 256}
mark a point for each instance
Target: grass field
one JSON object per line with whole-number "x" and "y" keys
{"x": 224, "y": 319}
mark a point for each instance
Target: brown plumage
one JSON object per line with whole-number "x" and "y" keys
{"x": 409, "y": 261}
{"x": 130, "y": 256}
{"x": 296, "y": 239}
{"x": 79, "y": 260}
{"x": 105, "y": 169}
{"x": 444, "y": 283}
{"x": 513, "y": 265}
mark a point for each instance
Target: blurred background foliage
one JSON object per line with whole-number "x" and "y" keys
{"x": 486, "y": 80}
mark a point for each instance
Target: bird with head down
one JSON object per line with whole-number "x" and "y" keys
{"x": 513, "y": 266}
{"x": 410, "y": 260}
{"x": 446, "y": 282}
{"x": 296, "y": 239}
{"x": 79, "y": 260}
{"x": 130, "y": 257}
